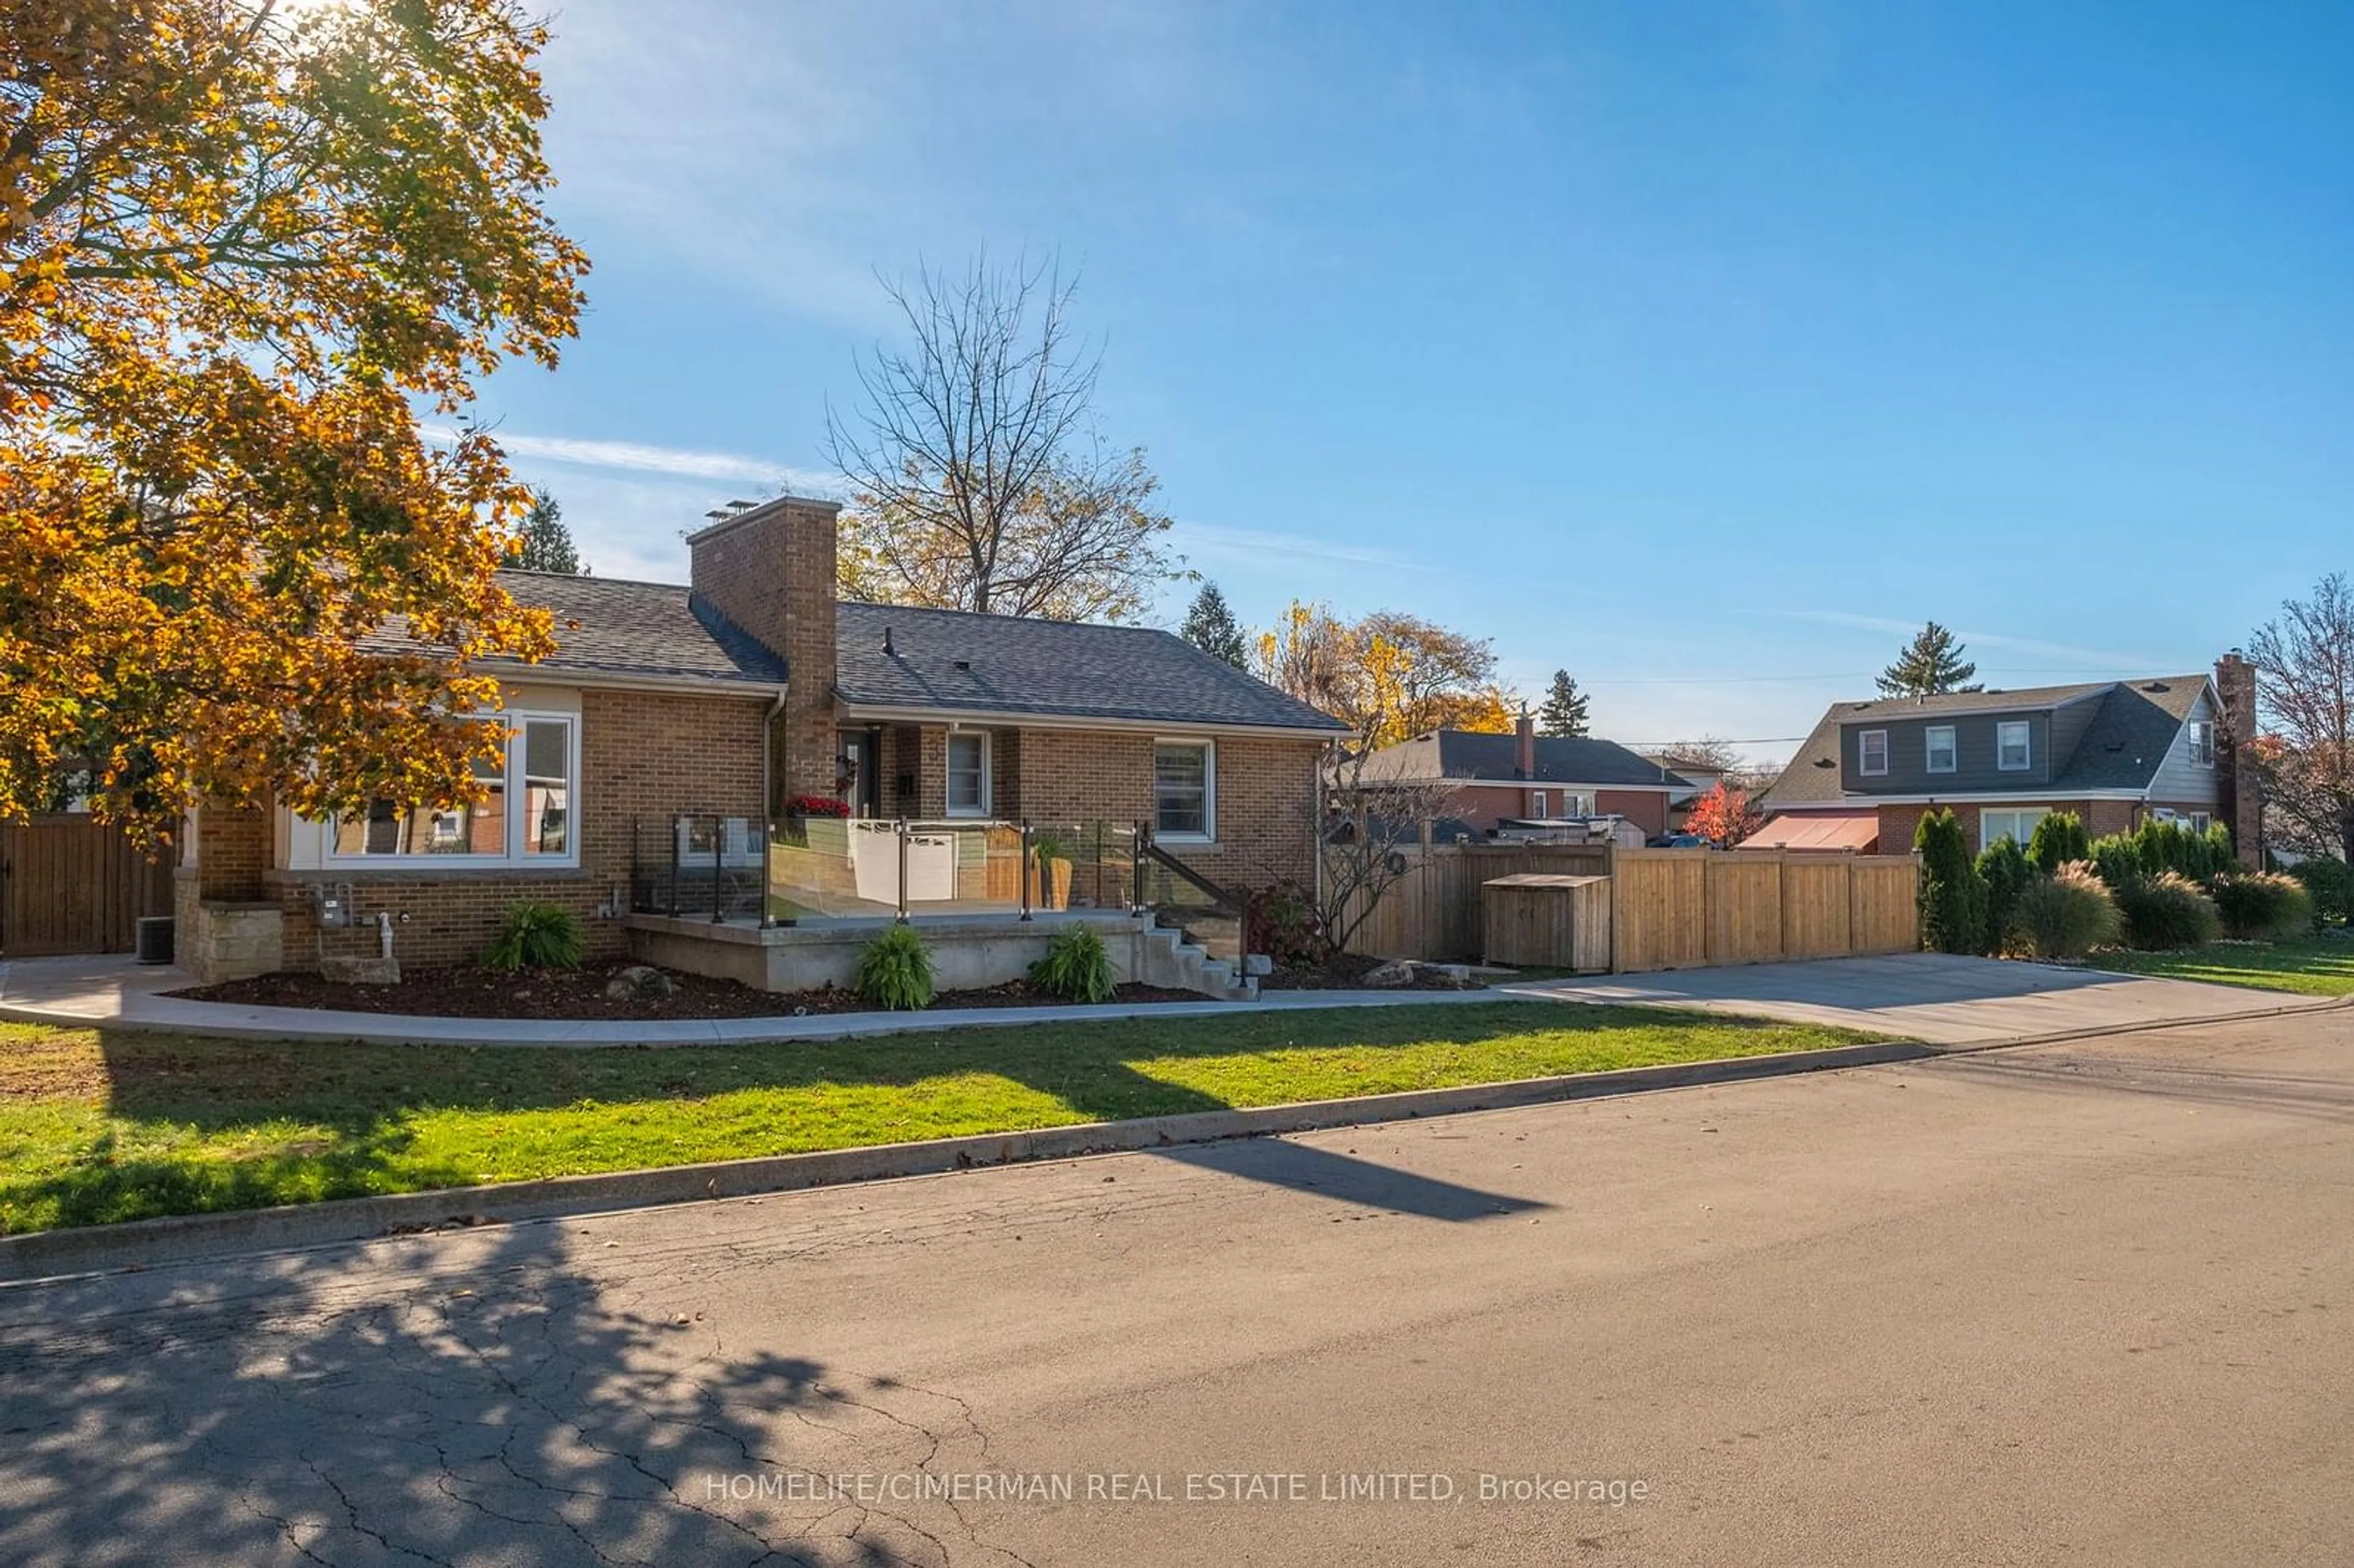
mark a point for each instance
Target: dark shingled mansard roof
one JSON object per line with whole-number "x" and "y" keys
{"x": 946, "y": 661}
{"x": 1560, "y": 759}
{"x": 2121, "y": 748}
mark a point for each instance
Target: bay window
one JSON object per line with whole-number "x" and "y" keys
{"x": 525, "y": 811}
{"x": 1185, "y": 789}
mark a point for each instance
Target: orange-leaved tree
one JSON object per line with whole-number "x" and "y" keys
{"x": 1389, "y": 676}
{"x": 242, "y": 245}
{"x": 1722, "y": 816}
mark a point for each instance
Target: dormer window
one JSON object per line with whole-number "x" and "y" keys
{"x": 1871, "y": 753}
{"x": 1942, "y": 753}
{"x": 2012, "y": 752}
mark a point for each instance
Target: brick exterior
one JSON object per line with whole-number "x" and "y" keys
{"x": 771, "y": 571}
{"x": 645, "y": 756}
{"x": 2241, "y": 802}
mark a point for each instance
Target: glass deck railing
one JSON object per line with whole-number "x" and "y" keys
{"x": 849, "y": 867}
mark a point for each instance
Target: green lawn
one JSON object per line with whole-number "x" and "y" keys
{"x": 2318, "y": 965}
{"x": 99, "y": 1127}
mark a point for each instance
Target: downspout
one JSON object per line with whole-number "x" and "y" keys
{"x": 769, "y": 792}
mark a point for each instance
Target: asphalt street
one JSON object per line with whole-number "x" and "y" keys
{"x": 2089, "y": 1303}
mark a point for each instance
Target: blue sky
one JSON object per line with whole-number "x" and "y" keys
{"x": 1703, "y": 350}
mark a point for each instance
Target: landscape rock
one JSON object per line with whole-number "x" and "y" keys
{"x": 1257, "y": 964}
{"x": 1390, "y": 976}
{"x": 640, "y": 982}
{"x": 361, "y": 971}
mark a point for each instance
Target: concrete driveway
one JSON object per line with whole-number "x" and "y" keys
{"x": 2082, "y": 1303}
{"x": 1938, "y": 998}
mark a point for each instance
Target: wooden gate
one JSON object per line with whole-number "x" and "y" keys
{"x": 71, "y": 885}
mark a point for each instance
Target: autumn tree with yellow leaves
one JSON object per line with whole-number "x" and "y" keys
{"x": 1388, "y": 675}
{"x": 242, "y": 245}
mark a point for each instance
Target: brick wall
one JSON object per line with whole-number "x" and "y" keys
{"x": 644, "y": 756}
{"x": 771, "y": 571}
{"x": 2101, "y": 818}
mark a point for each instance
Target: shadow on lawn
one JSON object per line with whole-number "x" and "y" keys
{"x": 466, "y": 1398}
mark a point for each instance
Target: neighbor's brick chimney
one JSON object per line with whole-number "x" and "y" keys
{"x": 770, "y": 569}
{"x": 2242, "y": 798}
{"x": 1525, "y": 734}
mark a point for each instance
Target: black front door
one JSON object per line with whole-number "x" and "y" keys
{"x": 858, "y": 770}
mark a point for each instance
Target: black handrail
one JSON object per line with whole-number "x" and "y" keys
{"x": 1225, "y": 898}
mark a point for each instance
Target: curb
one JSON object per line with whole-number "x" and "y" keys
{"x": 89, "y": 1249}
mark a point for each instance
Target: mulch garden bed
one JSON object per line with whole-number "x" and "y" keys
{"x": 1347, "y": 971}
{"x": 467, "y": 992}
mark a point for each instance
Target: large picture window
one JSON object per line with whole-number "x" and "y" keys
{"x": 526, "y": 812}
{"x": 1185, "y": 789}
{"x": 2018, "y": 825}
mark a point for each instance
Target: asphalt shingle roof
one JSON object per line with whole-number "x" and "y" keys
{"x": 1560, "y": 759}
{"x": 613, "y": 626}
{"x": 2121, "y": 748}
{"x": 946, "y": 659}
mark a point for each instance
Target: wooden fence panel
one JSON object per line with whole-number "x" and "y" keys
{"x": 1743, "y": 895}
{"x": 1658, "y": 910}
{"x": 1885, "y": 909}
{"x": 69, "y": 884}
{"x": 1816, "y": 906}
{"x": 1434, "y": 911}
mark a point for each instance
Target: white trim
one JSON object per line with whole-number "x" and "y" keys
{"x": 514, "y": 792}
{"x": 2026, "y": 763}
{"x": 948, "y": 772}
{"x": 1158, "y": 729}
{"x": 1863, "y": 768}
{"x": 1952, "y": 749}
{"x": 1209, "y": 834}
{"x": 1537, "y": 801}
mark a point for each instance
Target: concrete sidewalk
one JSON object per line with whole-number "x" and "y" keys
{"x": 1929, "y": 996}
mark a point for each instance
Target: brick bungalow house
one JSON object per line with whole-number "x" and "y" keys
{"x": 2114, "y": 752}
{"x": 1526, "y": 777}
{"x": 735, "y": 694}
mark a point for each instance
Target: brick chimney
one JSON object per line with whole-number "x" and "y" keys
{"x": 769, "y": 569}
{"x": 2242, "y": 799}
{"x": 1524, "y": 736}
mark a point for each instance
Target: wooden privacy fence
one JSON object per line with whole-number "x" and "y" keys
{"x": 69, "y": 884}
{"x": 1667, "y": 909}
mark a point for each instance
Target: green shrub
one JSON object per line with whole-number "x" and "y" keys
{"x": 2262, "y": 906}
{"x": 2058, "y": 839}
{"x": 895, "y": 970}
{"x": 2066, "y": 915}
{"x": 2005, "y": 870}
{"x": 1077, "y": 967}
{"x": 2166, "y": 912}
{"x": 2220, "y": 856}
{"x": 534, "y": 934}
{"x": 2170, "y": 846}
{"x": 2331, "y": 884}
{"x": 1953, "y": 895}
{"x": 2117, "y": 857}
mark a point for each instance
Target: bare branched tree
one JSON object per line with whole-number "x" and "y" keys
{"x": 2304, "y": 747}
{"x": 1368, "y": 834}
{"x": 978, "y": 479}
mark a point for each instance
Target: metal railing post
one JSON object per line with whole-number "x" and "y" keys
{"x": 768, "y": 841}
{"x": 1026, "y": 868}
{"x": 903, "y": 870}
{"x": 1136, "y": 856}
{"x": 718, "y": 866}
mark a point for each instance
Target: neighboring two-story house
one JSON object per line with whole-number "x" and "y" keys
{"x": 2114, "y": 752}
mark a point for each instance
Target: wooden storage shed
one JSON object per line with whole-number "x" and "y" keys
{"x": 1547, "y": 920}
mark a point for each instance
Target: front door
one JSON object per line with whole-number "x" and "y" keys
{"x": 858, "y": 772}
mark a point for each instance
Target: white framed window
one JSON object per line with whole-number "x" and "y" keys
{"x": 1578, "y": 803}
{"x": 527, "y": 811}
{"x": 1872, "y": 753}
{"x": 2018, "y": 824}
{"x": 1538, "y": 800}
{"x": 2011, "y": 745}
{"x": 1942, "y": 755}
{"x": 2202, "y": 744}
{"x": 968, "y": 788}
{"x": 1185, "y": 791}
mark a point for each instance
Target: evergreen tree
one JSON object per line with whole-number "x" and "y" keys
{"x": 1212, "y": 627}
{"x": 1563, "y": 711}
{"x": 1953, "y": 893}
{"x": 2058, "y": 839}
{"x": 1930, "y": 665}
{"x": 547, "y": 542}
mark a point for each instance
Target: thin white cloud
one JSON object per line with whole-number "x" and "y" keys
{"x": 1244, "y": 542}
{"x": 636, "y": 457}
{"x": 2104, "y": 657}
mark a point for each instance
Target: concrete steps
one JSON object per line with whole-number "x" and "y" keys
{"x": 1171, "y": 958}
